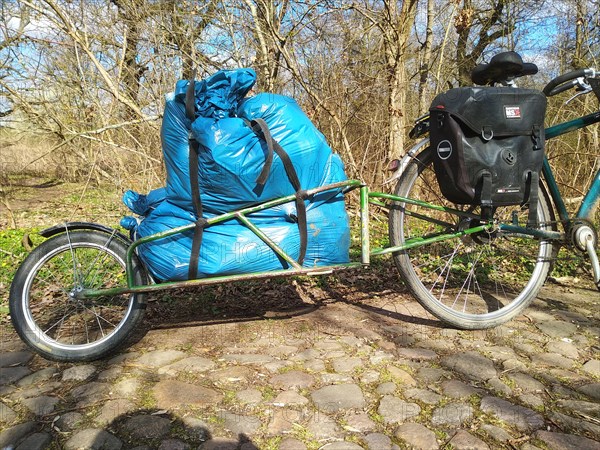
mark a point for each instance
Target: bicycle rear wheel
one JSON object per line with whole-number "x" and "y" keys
{"x": 46, "y": 311}
{"x": 473, "y": 282}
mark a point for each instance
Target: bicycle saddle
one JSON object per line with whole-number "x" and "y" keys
{"x": 502, "y": 67}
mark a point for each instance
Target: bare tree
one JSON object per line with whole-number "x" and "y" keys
{"x": 11, "y": 33}
{"x": 270, "y": 36}
{"x": 182, "y": 25}
{"x": 132, "y": 14}
{"x": 487, "y": 24}
{"x": 395, "y": 23}
{"x": 91, "y": 75}
{"x": 426, "y": 56}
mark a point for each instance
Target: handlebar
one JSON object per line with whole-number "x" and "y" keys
{"x": 567, "y": 81}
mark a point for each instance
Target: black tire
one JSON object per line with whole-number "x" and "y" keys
{"x": 60, "y": 327}
{"x": 474, "y": 282}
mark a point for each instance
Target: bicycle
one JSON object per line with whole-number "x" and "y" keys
{"x": 80, "y": 294}
{"x": 444, "y": 278}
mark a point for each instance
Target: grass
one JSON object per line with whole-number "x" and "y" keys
{"x": 34, "y": 203}
{"x": 101, "y": 204}
{"x": 269, "y": 443}
{"x": 12, "y": 254}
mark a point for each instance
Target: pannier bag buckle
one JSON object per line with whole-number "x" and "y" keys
{"x": 487, "y": 133}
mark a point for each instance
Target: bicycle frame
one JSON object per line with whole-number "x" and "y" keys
{"x": 592, "y": 197}
{"x": 367, "y": 198}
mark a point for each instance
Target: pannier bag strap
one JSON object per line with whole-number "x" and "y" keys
{"x": 260, "y": 127}
{"x": 486, "y": 189}
{"x": 486, "y": 196}
{"x": 536, "y": 137}
{"x": 194, "y": 148}
{"x": 533, "y": 187}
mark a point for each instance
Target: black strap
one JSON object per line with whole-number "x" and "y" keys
{"x": 190, "y": 98}
{"x": 259, "y": 126}
{"x": 486, "y": 189}
{"x": 194, "y": 147}
{"x": 486, "y": 197}
{"x": 536, "y": 137}
{"x": 200, "y": 221}
{"x": 533, "y": 186}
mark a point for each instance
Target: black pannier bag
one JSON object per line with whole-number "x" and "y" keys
{"x": 488, "y": 145}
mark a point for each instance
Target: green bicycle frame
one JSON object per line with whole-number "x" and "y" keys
{"x": 592, "y": 197}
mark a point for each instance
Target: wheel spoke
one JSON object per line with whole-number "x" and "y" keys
{"x": 59, "y": 321}
{"x": 104, "y": 256}
{"x": 466, "y": 287}
{"x": 76, "y": 280}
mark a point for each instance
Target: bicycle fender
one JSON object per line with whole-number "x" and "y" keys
{"x": 73, "y": 226}
{"x": 407, "y": 158}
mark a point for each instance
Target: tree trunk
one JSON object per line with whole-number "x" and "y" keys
{"x": 267, "y": 18}
{"x": 396, "y": 29}
{"x": 426, "y": 59}
{"x": 132, "y": 13}
{"x": 490, "y": 28}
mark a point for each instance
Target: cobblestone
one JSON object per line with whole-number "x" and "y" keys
{"x": 417, "y": 436}
{"x": 296, "y": 384}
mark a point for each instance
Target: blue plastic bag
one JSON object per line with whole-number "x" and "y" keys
{"x": 231, "y": 248}
{"x": 142, "y": 204}
{"x": 227, "y": 248}
{"x": 231, "y": 157}
{"x": 218, "y": 96}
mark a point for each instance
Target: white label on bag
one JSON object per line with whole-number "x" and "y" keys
{"x": 512, "y": 112}
{"x": 444, "y": 149}
{"x": 508, "y": 190}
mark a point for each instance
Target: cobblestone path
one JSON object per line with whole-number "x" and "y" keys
{"x": 377, "y": 375}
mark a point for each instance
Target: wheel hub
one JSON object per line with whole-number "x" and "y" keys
{"x": 483, "y": 237}
{"x": 75, "y": 294}
{"x": 581, "y": 234}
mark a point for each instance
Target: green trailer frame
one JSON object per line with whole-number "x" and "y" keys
{"x": 367, "y": 198}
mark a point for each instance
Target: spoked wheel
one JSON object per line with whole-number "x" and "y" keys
{"x": 474, "y": 282}
{"x": 50, "y": 316}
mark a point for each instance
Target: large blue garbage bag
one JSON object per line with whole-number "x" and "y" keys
{"x": 231, "y": 248}
{"x": 232, "y": 156}
{"x": 227, "y": 248}
{"x": 218, "y": 96}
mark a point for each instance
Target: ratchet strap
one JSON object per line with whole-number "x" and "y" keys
{"x": 194, "y": 147}
{"x": 260, "y": 128}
